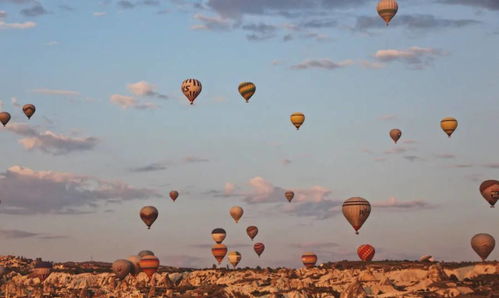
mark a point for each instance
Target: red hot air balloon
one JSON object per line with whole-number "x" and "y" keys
{"x": 173, "y": 195}
{"x": 259, "y": 248}
{"x": 366, "y": 252}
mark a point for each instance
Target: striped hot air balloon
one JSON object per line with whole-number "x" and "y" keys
{"x": 483, "y": 244}
{"x": 297, "y": 119}
{"x": 29, "y": 110}
{"x": 448, "y": 125}
{"x": 252, "y": 231}
{"x": 490, "y": 191}
{"x": 234, "y": 258}
{"x": 149, "y": 265}
{"x": 219, "y": 251}
{"x": 395, "y": 134}
{"x": 356, "y": 210}
{"x": 259, "y": 248}
{"x": 247, "y": 89}
{"x": 42, "y": 270}
{"x": 191, "y": 89}
{"x": 366, "y": 252}
{"x": 387, "y": 9}
{"x": 218, "y": 235}
{"x": 309, "y": 259}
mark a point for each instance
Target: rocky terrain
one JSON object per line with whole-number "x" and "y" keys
{"x": 342, "y": 279}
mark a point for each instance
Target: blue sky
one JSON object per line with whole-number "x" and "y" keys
{"x": 113, "y": 132}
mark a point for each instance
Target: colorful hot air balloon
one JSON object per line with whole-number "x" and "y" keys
{"x": 218, "y": 235}
{"x": 252, "y": 231}
{"x": 135, "y": 260}
{"x": 42, "y": 270}
{"x": 387, "y": 9}
{"x": 173, "y": 195}
{"x": 234, "y": 258}
{"x": 309, "y": 259}
{"x": 236, "y": 212}
{"x": 356, "y": 211}
{"x": 149, "y": 265}
{"x": 448, "y": 125}
{"x": 4, "y": 118}
{"x": 259, "y": 248}
{"x": 148, "y": 215}
{"x": 219, "y": 251}
{"x": 144, "y": 253}
{"x": 366, "y": 252}
{"x": 289, "y": 195}
{"x": 297, "y": 119}
{"x": 483, "y": 244}
{"x": 121, "y": 268}
{"x": 490, "y": 191}
{"x": 191, "y": 89}
{"x": 395, "y": 134}
{"x": 247, "y": 89}
{"x": 29, "y": 110}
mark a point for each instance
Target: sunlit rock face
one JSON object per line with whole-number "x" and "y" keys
{"x": 344, "y": 279}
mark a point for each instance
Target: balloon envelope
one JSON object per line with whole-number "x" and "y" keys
{"x": 219, "y": 251}
{"x": 149, "y": 265}
{"x": 309, "y": 259}
{"x": 29, "y": 110}
{"x": 387, "y": 9}
{"x": 483, "y": 244}
{"x": 148, "y": 214}
{"x": 191, "y": 89}
{"x": 259, "y": 248}
{"x": 135, "y": 260}
{"x": 448, "y": 125}
{"x": 236, "y": 212}
{"x": 366, "y": 252}
{"x": 395, "y": 134}
{"x": 173, "y": 195}
{"x": 234, "y": 258}
{"x": 4, "y": 118}
{"x": 42, "y": 270}
{"x": 144, "y": 253}
{"x": 490, "y": 191}
{"x": 252, "y": 231}
{"x": 297, "y": 119}
{"x": 218, "y": 235}
{"x": 356, "y": 210}
{"x": 122, "y": 268}
{"x": 289, "y": 195}
{"x": 247, "y": 89}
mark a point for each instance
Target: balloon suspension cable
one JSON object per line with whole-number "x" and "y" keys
{"x": 356, "y": 232}
{"x": 192, "y": 103}
{"x": 148, "y": 227}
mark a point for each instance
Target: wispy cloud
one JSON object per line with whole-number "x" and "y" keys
{"x": 487, "y": 4}
{"x": 415, "y": 57}
{"x": 445, "y": 156}
{"x": 19, "y": 26}
{"x": 144, "y": 88}
{"x": 492, "y": 165}
{"x": 211, "y": 23}
{"x": 128, "y": 102}
{"x": 322, "y": 63}
{"x": 413, "y": 22}
{"x": 99, "y": 13}
{"x": 153, "y": 167}
{"x": 34, "y": 11}
{"x": 20, "y": 234}
{"x": 56, "y": 92}
{"x": 393, "y": 203}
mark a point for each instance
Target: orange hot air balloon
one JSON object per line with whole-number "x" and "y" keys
{"x": 247, "y": 89}
{"x": 252, "y": 231}
{"x": 173, "y": 195}
{"x": 191, "y": 89}
{"x": 289, "y": 195}
{"x": 29, "y": 110}
{"x": 490, "y": 191}
{"x": 218, "y": 235}
{"x": 309, "y": 259}
{"x": 219, "y": 251}
{"x": 395, "y": 134}
{"x": 297, "y": 119}
{"x": 4, "y": 118}
{"x": 356, "y": 211}
{"x": 149, "y": 265}
{"x": 148, "y": 214}
{"x": 236, "y": 212}
{"x": 483, "y": 244}
{"x": 387, "y": 9}
{"x": 366, "y": 252}
{"x": 259, "y": 248}
{"x": 448, "y": 125}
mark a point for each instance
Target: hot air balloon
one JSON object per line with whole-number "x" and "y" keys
{"x": 490, "y": 191}
{"x": 42, "y": 270}
{"x": 148, "y": 215}
{"x": 247, "y": 89}
{"x": 173, "y": 195}
{"x": 144, "y": 253}
{"x": 122, "y": 268}
{"x": 387, "y": 9}
{"x": 395, "y": 134}
{"x": 236, "y": 212}
{"x": 366, "y": 252}
{"x": 191, "y": 89}
{"x": 483, "y": 244}
{"x": 234, "y": 258}
{"x": 252, "y": 231}
{"x": 259, "y": 248}
{"x": 448, "y": 125}
{"x": 289, "y": 195}
{"x": 219, "y": 251}
{"x": 135, "y": 260}
{"x": 218, "y": 235}
{"x": 297, "y": 119}
{"x": 29, "y": 110}
{"x": 4, "y": 118}
{"x": 149, "y": 265}
{"x": 425, "y": 258}
{"x": 356, "y": 211}
{"x": 309, "y": 259}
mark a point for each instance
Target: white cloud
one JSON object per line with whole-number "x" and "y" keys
{"x": 127, "y": 102}
{"x": 99, "y": 13}
{"x": 55, "y": 92}
{"x": 393, "y": 203}
{"x": 211, "y": 23}
{"x": 415, "y": 56}
{"x": 322, "y": 63}
{"x": 19, "y": 26}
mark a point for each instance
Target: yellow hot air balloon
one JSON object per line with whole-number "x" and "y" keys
{"x": 297, "y": 119}
{"x": 395, "y": 134}
{"x": 234, "y": 258}
{"x": 236, "y": 212}
{"x": 387, "y": 9}
{"x": 191, "y": 89}
{"x": 247, "y": 89}
{"x": 356, "y": 211}
{"x": 448, "y": 125}
{"x": 483, "y": 244}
